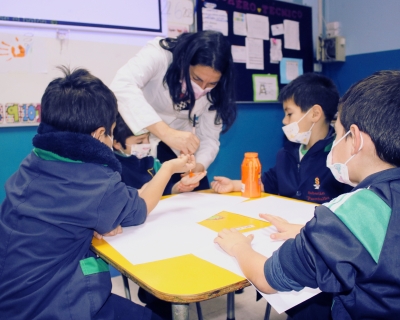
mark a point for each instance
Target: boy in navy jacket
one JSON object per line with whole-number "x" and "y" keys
{"x": 310, "y": 103}
{"x": 138, "y": 166}
{"x": 66, "y": 190}
{"x": 350, "y": 247}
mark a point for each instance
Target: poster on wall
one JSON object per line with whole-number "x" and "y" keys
{"x": 23, "y": 52}
{"x": 15, "y": 115}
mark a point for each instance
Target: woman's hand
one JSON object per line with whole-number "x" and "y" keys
{"x": 184, "y": 141}
{"x": 286, "y": 230}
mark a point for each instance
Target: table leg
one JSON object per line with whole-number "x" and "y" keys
{"x": 126, "y": 287}
{"x": 180, "y": 311}
{"x": 230, "y": 306}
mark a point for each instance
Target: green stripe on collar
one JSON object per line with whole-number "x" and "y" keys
{"x": 366, "y": 215}
{"x": 92, "y": 266}
{"x": 47, "y": 155}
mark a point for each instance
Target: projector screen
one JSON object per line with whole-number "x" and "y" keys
{"x": 136, "y": 16}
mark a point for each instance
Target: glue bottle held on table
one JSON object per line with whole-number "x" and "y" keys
{"x": 251, "y": 175}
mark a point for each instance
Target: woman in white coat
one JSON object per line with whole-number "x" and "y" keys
{"x": 174, "y": 85}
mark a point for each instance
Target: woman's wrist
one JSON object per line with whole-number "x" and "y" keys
{"x": 159, "y": 129}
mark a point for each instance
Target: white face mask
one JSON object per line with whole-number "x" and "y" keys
{"x": 340, "y": 170}
{"x": 112, "y": 142}
{"x": 292, "y": 132}
{"x": 140, "y": 150}
{"x": 198, "y": 91}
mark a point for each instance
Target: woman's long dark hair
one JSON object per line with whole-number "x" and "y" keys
{"x": 206, "y": 48}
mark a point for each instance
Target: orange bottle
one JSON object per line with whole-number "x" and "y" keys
{"x": 251, "y": 175}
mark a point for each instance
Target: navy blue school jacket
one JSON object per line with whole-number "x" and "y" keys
{"x": 66, "y": 189}
{"x": 308, "y": 179}
{"x": 136, "y": 172}
{"x": 351, "y": 248}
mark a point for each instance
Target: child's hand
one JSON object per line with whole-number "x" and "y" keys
{"x": 114, "y": 232}
{"x": 286, "y": 230}
{"x": 188, "y": 182}
{"x": 222, "y": 185}
{"x": 182, "y": 163}
{"x": 231, "y": 239}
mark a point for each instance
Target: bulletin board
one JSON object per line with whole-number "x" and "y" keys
{"x": 260, "y": 78}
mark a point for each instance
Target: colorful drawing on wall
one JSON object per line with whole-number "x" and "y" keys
{"x": 22, "y": 53}
{"x": 14, "y": 114}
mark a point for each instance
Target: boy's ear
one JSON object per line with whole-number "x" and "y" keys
{"x": 356, "y": 135}
{"x": 317, "y": 112}
{"x": 117, "y": 145}
{"x": 98, "y": 133}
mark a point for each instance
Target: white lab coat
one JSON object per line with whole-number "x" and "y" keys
{"x": 143, "y": 100}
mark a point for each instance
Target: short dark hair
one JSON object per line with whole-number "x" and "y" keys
{"x": 122, "y": 131}
{"x": 210, "y": 49}
{"x": 373, "y": 104}
{"x": 310, "y": 89}
{"x": 78, "y": 102}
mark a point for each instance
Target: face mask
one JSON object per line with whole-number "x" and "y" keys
{"x": 140, "y": 150}
{"x": 340, "y": 170}
{"x": 112, "y": 142}
{"x": 292, "y": 132}
{"x": 198, "y": 91}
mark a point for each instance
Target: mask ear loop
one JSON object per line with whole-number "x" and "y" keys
{"x": 359, "y": 149}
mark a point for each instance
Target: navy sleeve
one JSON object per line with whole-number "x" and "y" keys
{"x": 121, "y": 205}
{"x": 275, "y": 276}
{"x": 323, "y": 254}
{"x": 270, "y": 181}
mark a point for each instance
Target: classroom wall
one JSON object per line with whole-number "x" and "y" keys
{"x": 371, "y": 29}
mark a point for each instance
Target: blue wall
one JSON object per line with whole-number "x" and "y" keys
{"x": 360, "y": 66}
{"x": 258, "y": 128}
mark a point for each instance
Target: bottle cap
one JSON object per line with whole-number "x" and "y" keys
{"x": 251, "y": 155}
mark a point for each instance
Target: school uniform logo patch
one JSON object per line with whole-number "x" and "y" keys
{"x": 316, "y": 183}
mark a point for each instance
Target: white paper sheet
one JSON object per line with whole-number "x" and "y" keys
{"x": 239, "y": 24}
{"x": 239, "y": 54}
{"x": 257, "y": 26}
{"x": 216, "y": 20}
{"x": 292, "y": 34}
{"x": 275, "y": 51}
{"x": 293, "y": 211}
{"x": 277, "y": 29}
{"x": 263, "y": 244}
{"x": 255, "y": 54}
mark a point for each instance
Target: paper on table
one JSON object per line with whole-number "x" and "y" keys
{"x": 293, "y": 211}
{"x": 263, "y": 244}
{"x": 171, "y": 221}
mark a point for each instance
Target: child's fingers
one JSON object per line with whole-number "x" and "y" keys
{"x": 280, "y": 236}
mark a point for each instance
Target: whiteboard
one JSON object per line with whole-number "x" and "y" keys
{"x": 137, "y": 16}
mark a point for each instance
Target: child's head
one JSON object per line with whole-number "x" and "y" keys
{"x": 373, "y": 105}
{"x": 308, "y": 90}
{"x": 129, "y": 144}
{"x": 79, "y": 102}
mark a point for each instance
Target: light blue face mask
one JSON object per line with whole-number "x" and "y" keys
{"x": 340, "y": 170}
